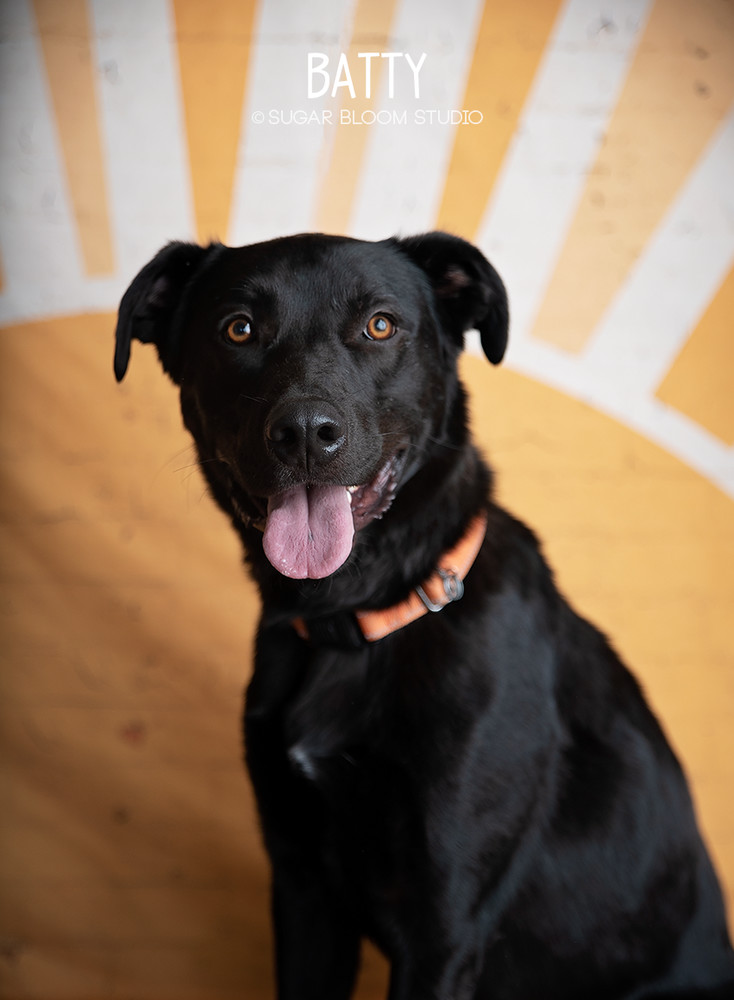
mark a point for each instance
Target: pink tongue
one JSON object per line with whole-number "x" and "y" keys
{"x": 309, "y": 531}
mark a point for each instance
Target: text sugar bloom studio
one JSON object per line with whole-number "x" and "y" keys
{"x": 351, "y": 82}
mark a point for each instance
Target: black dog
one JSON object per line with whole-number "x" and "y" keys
{"x": 482, "y": 791}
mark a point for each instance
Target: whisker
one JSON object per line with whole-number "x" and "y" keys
{"x": 252, "y": 399}
{"x": 198, "y": 463}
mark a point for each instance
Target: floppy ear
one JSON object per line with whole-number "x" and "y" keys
{"x": 148, "y": 306}
{"x": 469, "y": 292}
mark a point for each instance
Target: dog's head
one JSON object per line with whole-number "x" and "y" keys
{"x": 317, "y": 373}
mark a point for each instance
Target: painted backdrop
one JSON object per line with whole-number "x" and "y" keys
{"x": 588, "y": 148}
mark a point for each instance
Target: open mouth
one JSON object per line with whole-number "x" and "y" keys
{"x": 308, "y": 531}
{"x": 369, "y": 502}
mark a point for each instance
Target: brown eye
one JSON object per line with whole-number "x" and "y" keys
{"x": 380, "y": 327}
{"x": 239, "y": 331}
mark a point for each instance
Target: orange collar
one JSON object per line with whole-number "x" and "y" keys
{"x": 444, "y": 586}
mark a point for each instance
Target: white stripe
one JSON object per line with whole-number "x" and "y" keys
{"x": 37, "y": 231}
{"x": 575, "y": 91}
{"x": 279, "y": 165}
{"x": 653, "y": 315}
{"x": 142, "y": 129}
{"x": 670, "y": 287}
{"x": 404, "y": 172}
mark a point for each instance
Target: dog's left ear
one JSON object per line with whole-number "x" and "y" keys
{"x": 469, "y": 293}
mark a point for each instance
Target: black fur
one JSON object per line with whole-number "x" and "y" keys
{"x": 484, "y": 793}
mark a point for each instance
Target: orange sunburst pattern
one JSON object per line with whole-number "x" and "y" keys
{"x": 679, "y": 88}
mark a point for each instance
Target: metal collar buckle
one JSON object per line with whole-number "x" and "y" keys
{"x": 453, "y": 587}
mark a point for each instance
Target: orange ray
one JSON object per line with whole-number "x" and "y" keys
{"x": 510, "y": 44}
{"x": 67, "y": 55}
{"x": 370, "y": 32}
{"x": 214, "y": 46}
{"x": 701, "y": 381}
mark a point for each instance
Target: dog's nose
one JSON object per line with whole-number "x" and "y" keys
{"x": 304, "y": 433}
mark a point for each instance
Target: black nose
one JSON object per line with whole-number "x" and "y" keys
{"x": 304, "y": 433}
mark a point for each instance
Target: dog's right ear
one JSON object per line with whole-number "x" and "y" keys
{"x": 148, "y": 306}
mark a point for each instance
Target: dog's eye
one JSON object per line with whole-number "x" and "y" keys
{"x": 239, "y": 331}
{"x": 380, "y": 327}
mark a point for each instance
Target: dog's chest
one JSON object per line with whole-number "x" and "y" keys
{"x": 325, "y": 721}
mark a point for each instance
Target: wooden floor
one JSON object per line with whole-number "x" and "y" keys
{"x": 131, "y": 864}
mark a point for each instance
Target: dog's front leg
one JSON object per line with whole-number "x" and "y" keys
{"x": 316, "y": 943}
{"x": 416, "y": 975}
